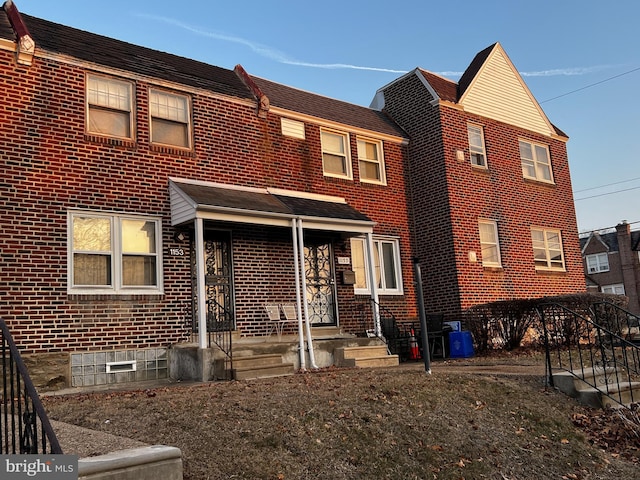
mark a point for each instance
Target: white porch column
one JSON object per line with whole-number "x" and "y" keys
{"x": 202, "y": 294}
{"x": 299, "y": 299}
{"x": 312, "y": 357}
{"x": 373, "y": 287}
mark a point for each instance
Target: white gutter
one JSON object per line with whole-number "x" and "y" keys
{"x": 312, "y": 358}
{"x": 296, "y": 267}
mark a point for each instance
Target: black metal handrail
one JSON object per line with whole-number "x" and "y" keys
{"x": 580, "y": 345}
{"x": 20, "y": 406}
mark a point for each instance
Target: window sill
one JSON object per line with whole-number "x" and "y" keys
{"x": 541, "y": 183}
{"x": 169, "y": 150}
{"x": 544, "y": 271}
{"x": 479, "y": 168}
{"x": 493, "y": 269}
{"x": 113, "y": 141}
{"x": 125, "y": 297}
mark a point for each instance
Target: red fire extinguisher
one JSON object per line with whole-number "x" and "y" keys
{"x": 414, "y": 353}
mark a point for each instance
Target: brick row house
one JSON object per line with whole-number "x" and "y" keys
{"x": 135, "y": 179}
{"x": 149, "y": 198}
{"x": 490, "y": 184}
{"x": 612, "y": 263}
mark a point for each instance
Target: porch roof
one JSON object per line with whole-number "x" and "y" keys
{"x": 191, "y": 199}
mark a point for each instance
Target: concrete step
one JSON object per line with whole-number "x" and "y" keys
{"x": 364, "y": 356}
{"x": 249, "y": 373}
{"x": 605, "y": 381}
{"x": 260, "y": 366}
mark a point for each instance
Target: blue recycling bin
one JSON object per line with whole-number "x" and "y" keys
{"x": 460, "y": 344}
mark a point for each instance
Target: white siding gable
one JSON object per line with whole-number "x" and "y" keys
{"x": 498, "y": 92}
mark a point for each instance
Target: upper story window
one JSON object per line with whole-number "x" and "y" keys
{"x": 535, "y": 161}
{"x": 476, "y": 146}
{"x": 489, "y": 243}
{"x": 170, "y": 119}
{"x": 615, "y": 289}
{"x": 386, "y": 262}
{"x": 109, "y": 106}
{"x": 597, "y": 263}
{"x": 115, "y": 254}
{"x": 547, "y": 249}
{"x": 371, "y": 162}
{"x": 336, "y": 161}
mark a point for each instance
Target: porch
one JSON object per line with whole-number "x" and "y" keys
{"x": 273, "y": 355}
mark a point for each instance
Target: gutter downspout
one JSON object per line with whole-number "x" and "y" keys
{"x": 297, "y": 269}
{"x": 312, "y": 358}
{"x": 25, "y": 45}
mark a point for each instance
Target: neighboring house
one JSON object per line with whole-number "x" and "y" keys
{"x": 489, "y": 178}
{"x": 147, "y": 197}
{"x": 612, "y": 263}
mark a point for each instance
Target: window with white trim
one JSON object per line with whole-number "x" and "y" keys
{"x": 109, "y": 106}
{"x": 536, "y": 164}
{"x": 386, "y": 260}
{"x": 336, "y": 161}
{"x": 489, "y": 244}
{"x": 112, "y": 253}
{"x": 170, "y": 119}
{"x": 476, "y": 146}
{"x": 370, "y": 161}
{"x": 547, "y": 249}
{"x": 598, "y": 262}
{"x": 615, "y": 289}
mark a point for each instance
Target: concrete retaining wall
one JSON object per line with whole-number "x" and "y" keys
{"x": 157, "y": 462}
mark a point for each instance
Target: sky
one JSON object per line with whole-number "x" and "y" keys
{"x": 579, "y": 58}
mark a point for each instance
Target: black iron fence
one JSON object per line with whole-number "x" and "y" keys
{"x": 24, "y": 425}
{"x": 588, "y": 344}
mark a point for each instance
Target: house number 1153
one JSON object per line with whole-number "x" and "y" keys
{"x": 179, "y": 252}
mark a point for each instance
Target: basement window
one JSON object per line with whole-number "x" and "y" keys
{"x": 124, "y": 366}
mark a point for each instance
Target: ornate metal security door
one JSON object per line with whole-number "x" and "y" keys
{"x": 218, "y": 288}
{"x": 321, "y": 295}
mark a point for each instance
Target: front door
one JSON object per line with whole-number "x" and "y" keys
{"x": 218, "y": 288}
{"x": 320, "y": 294}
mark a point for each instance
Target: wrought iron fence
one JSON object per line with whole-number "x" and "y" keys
{"x": 582, "y": 346}
{"x": 24, "y": 425}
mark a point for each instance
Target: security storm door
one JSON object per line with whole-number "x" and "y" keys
{"x": 320, "y": 280}
{"x": 218, "y": 282}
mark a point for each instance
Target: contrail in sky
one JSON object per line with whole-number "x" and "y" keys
{"x": 283, "y": 58}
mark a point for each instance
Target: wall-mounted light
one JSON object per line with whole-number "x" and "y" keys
{"x": 460, "y": 155}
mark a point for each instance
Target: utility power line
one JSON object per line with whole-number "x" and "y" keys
{"x": 604, "y": 194}
{"x": 591, "y": 85}
{"x": 606, "y": 185}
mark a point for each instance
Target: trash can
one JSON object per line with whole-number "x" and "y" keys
{"x": 460, "y": 344}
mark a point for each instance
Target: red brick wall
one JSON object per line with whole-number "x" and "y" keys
{"x": 459, "y": 194}
{"x": 50, "y": 166}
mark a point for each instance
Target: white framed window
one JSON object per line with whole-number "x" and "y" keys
{"x": 170, "y": 119}
{"x": 547, "y": 249}
{"x": 386, "y": 260}
{"x": 489, "y": 243}
{"x": 114, "y": 253}
{"x": 598, "y": 262}
{"x": 616, "y": 289}
{"x": 536, "y": 164}
{"x": 476, "y": 146}
{"x": 371, "y": 161}
{"x": 336, "y": 161}
{"x": 109, "y": 106}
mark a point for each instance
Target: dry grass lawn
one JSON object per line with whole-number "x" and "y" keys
{"x": 364, "y": 424}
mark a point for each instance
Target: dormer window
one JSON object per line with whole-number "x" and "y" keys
{"x": 598, "y": 263}
{"x": 476, "y": 146}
